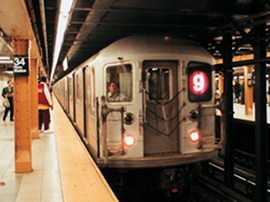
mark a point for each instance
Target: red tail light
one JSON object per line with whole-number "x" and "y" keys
{"x": 174, "y": 190}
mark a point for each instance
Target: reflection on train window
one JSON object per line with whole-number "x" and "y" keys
{"x": 93, "y": 89}
{"x": 119, "y": 83}
{"x": 78, "y": 86}
{"x": 158, "y": 83}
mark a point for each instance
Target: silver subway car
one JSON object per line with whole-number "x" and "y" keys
{"x": 144, "y": 101}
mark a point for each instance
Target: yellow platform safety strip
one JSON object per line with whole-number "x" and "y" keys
{"x": 81, "y": 179}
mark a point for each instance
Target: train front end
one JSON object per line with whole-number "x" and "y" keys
{"x": 156, "y": 104}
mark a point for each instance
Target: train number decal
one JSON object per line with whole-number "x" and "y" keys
{"x": 199, "y": 82}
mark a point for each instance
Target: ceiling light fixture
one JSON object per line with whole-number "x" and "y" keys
{"x": 4, "y": 58}
{"x": 6, "y": 61}
{"x": 65, "y": 7}
{"x": 65, "y": 64}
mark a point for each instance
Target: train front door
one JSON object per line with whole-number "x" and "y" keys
{"x": 161, "y": 131}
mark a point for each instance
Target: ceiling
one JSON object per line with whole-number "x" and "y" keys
{"x": 94, "y": 24}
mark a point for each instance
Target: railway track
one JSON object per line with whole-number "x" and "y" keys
{"x": 244, "y": 180}
{"x": 206, "y": 186}
{"x": 209, "y": 189}
{"x": 247, "y": 160}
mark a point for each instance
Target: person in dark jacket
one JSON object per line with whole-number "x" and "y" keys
{"x": 237, "y": 91}
{"x": 7, "y": 92}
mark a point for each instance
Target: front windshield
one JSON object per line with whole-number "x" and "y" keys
{"x": 119, "y": 83}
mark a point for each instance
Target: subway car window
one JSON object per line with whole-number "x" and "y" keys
{"x": 93, "y": 89}
{"x": 158, "y": 83}
{"x": 119, "y": 83}
{"x": 88, "y": 87}
{"x": 78, "y": 86}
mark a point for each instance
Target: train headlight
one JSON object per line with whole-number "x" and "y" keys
{"x": 194, "y": 136}
{"x": 129, "y": 140}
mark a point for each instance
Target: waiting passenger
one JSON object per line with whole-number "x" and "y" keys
{"x": 237, "y": 91}
{"x": 114, "y": 94}
{"x": 8, "y": 93}
{"x": 44, "y": 104}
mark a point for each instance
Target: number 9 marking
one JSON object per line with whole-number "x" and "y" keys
{"x": 198, "y": 82}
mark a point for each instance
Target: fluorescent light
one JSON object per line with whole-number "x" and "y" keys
{"x": 65, "y": 7}
{"x": 6, "y": 61}
{"x": 241, "y": 77}
{"x": 65, "y": 64}
{"x": 9, "y": 72}
{"x": 4, "y": 58}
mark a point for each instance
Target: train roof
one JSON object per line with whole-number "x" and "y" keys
{"x": 148, "y": 47}
{"x": 149, "y": 44}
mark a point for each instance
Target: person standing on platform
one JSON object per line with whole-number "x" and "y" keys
{"x": 44, "y": 104}
{"x": 237, "y": 91}
{"x": 7, "y": 92}
{"x": 268, "y": 93}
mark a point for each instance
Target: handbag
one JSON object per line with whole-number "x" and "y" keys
{"x": 6, "y": 103}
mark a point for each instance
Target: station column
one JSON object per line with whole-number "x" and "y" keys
{"x": 248, "y": 91}
{"x": 261, "y": 137}
{"x": 34, "y": 98}
{"x": 22, "y": 125}
{"x": 228, "y": 112}
{"x": 220, "y": 84}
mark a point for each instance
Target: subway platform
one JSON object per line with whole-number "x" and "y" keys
{"x": 239, "y": 113}
{"x": 62, "y": 169}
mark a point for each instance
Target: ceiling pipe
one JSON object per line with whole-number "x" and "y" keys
{"x": 44, "y": 29}
{"x": 33, "y": 20}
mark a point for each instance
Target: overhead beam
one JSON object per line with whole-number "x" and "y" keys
{"x": 243, "y": 33}
{"x": 130, "y": 24}
{"x": 242, "y": 63}
{"x": 177, "y": 11}
{"x": 248, "y": 22}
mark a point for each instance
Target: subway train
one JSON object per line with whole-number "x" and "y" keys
{"x": 144, "y": 102}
